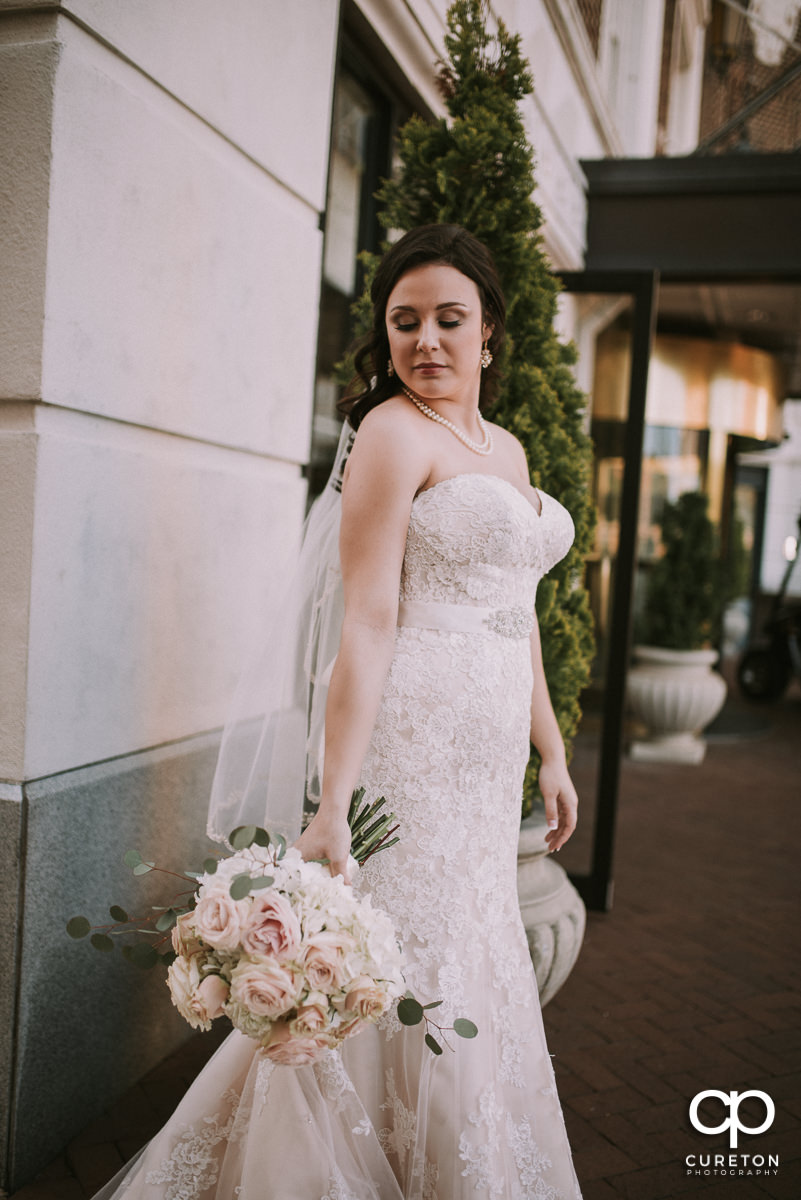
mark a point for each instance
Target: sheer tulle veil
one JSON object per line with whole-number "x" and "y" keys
{"x": 271, "y": 757}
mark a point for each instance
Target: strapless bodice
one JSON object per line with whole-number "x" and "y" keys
{"x": 476, "y": 539}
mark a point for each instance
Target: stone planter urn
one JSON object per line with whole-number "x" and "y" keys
{"x": 675, "y": 694}
{"x": 553, "y": 912}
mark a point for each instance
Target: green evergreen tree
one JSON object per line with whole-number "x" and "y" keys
{"x": 475, "y": 169}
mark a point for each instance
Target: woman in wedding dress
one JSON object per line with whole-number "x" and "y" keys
{"x": 436, "y": 691}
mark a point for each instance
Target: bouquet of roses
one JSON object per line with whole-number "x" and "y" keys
{"x": 293, "y": 956}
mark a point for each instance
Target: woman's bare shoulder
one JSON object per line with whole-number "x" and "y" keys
{"x": 389, "y": 438}
{"x": 393, "y": 417}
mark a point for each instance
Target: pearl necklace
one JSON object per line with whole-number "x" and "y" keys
{"x": 484, "y": 448}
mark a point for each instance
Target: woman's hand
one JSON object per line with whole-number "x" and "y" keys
{"x": 561, "y": 802}
{"x": 327, "y": 836}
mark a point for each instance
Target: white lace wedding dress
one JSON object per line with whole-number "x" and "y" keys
{"x": 384, "y": 1119}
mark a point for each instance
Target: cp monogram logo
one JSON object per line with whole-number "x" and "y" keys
{"x": 732, "y": 1100}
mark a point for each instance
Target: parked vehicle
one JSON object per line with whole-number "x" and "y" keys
{"x": 767, "y": 667}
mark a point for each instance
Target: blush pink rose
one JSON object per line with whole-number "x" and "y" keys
{"x": 324, "y": 960}
{"x": 211, "y": 995}
{"x": 264, "y": 987}
{"x": 290, "y": 1051}
{"x": 312, "y": 1017}
{"x": 198, "y": 1000}
{"x": 219, "y": 920}
{"x": 366, "y": 999}
{"x": 184, "y": 939}
{"x": 272, "y": 927}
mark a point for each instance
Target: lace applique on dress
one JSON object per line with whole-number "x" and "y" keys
{"x": 264, "y": 1072}
{"x": 500, "y": 1133}
{"x": 333, "y": 1079}
{"x": 338, "y": 1188}
{"x": 397, "y": 1138}
{"x": 193, "y": 1166}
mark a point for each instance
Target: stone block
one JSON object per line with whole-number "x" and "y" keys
{"x": 153, "y": 560}
{"x": 182, "y": 278}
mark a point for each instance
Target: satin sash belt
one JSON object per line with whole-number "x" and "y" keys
{"x": 465, "y": 618}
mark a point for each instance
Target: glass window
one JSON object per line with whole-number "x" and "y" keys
{"x": 360, "y": 157}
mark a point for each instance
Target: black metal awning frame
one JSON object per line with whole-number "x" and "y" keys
{"x": 697, "y": 219}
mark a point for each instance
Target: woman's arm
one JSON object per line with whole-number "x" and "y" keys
{"x": 556, "y": 786}
{"x": 386, "y": 468}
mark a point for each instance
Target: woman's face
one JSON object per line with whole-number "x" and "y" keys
{"x": 436, "y": 332}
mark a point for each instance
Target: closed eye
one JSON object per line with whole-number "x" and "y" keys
{"x": 407, "y": 327}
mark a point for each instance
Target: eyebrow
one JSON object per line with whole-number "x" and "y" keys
{"x": 411, "y": 308}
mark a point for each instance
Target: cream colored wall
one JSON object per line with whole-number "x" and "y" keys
{"x": 161, "y": 262}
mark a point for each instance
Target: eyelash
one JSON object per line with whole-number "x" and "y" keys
{"x": 445, "y": 325}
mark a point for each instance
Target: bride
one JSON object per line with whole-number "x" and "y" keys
{"x": 436, "y": 691}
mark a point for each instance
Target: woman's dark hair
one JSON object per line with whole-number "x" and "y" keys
{"x": 455, "y": 247}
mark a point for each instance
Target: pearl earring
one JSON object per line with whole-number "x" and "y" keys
{"x": 486, "y": 354}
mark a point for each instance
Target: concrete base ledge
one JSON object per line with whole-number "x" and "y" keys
{"x": 77, "y": 1027}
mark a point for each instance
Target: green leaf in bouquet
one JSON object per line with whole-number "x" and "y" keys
{"x": 118, "y": 914}
{"x": 143, "y": 955}
{"x": 433, "y": 1004}
{"x": 78, "y": 927}
{"x": 242, "y": 837}
{"x": 132, "y": 858}
{"x": 143, "y": 868}
{"x": 264, "y": 881}
{"x": 410, "y": 1011}
{"x": 210, "y": 866}
{"x": 166, "y": 920}
{"x": 168, "y": 957}
{"x": 433, "y": 1044}
{"x": 280, "y": 846}
{"x": 465, "y": 1028}
{"x": 262, "y": 837}
{"x": 101, "y": 941}
{"x": 240, "y": 887}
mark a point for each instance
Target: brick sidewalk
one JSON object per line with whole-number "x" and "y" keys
{"x": 690, "y": 983}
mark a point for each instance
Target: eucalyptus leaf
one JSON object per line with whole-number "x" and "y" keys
{"x": 168, "y": 957}
{"x": 143, "y": 868}
{"x": 117, "y": 913}
{"x": 132, "y": 858}
{"x": 433, "y": 1004}
{"x": 166, "y": 920}
{"x": 465, "y": 1028}
{"x": 280, "y": 842}
{"x": 143, "y": 955}
{"x": 433, "y": 1044}
{"x": 262, "y": 837}
{"x": 78, "y": 927}
{"x": 101, "y": 941}
{"x": 242, "y": 837}
{"x": 210, "y": 866}
{"x": 410, "y": 1011}
{"x": 240, "y": 887}
{"x": 263, "y": 882}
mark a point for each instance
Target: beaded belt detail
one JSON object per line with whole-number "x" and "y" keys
{"x": 465, "y": 618}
